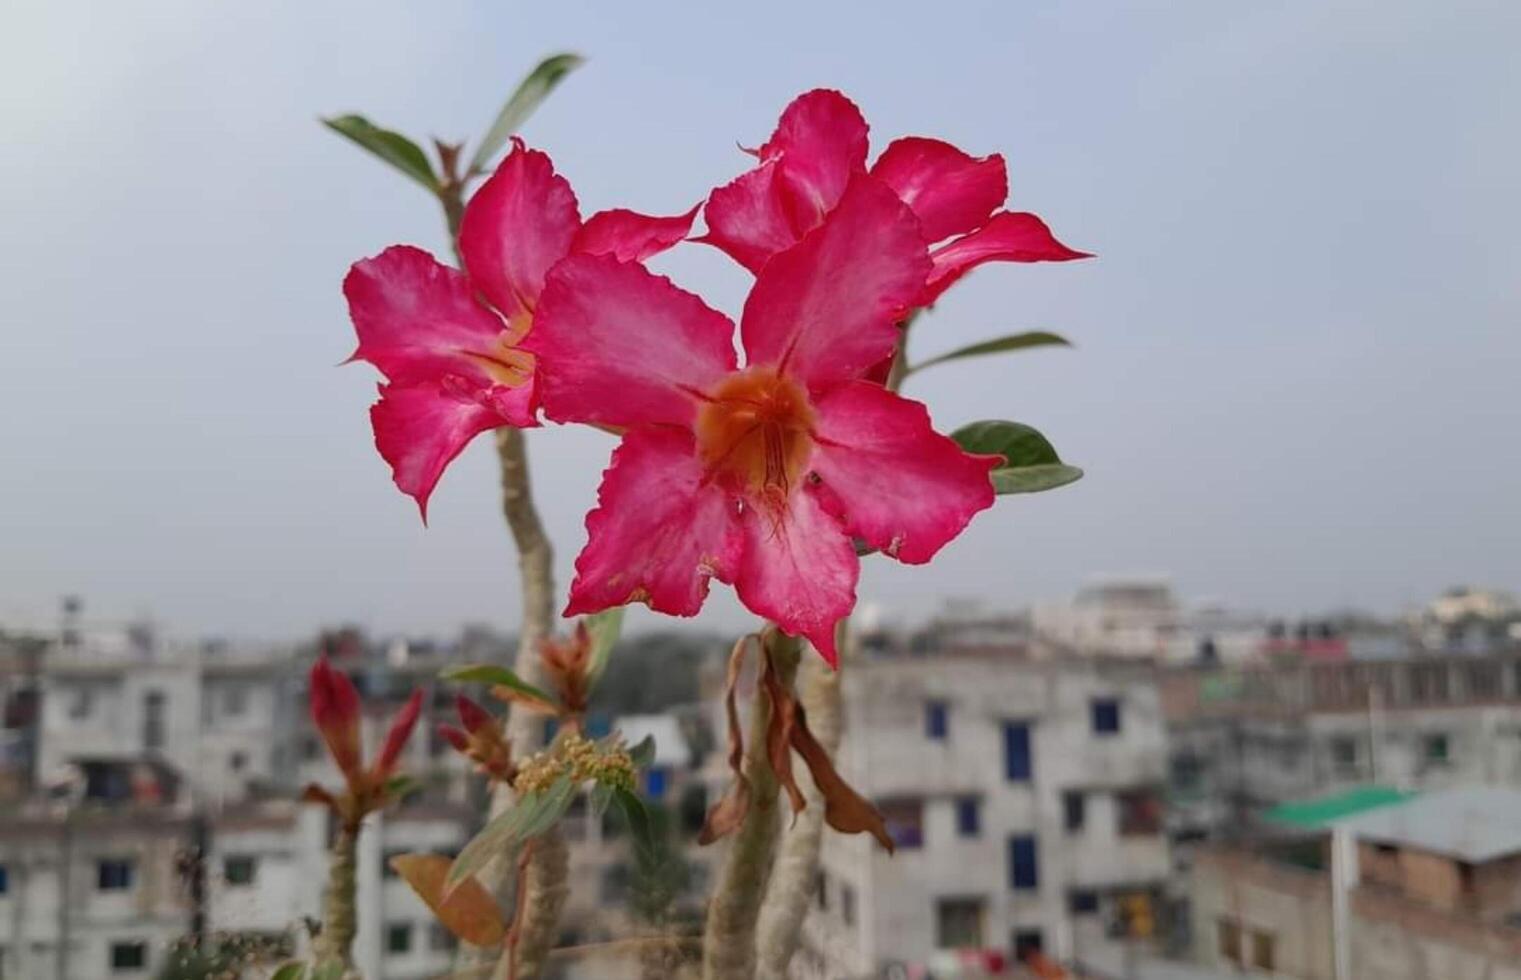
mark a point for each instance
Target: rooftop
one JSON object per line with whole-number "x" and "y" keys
{"x": 1320, "y": 812}
{"x": 1469, "y": 823}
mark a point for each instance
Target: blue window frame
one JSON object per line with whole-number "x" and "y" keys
{"x": 1018, "y": 766}
{"x": 937, "y": 720}
{"x": 1106, "y": 716}
{"x": 654, "y": 783}
{"x": 1024, "y": 866}
{"x": 969, "y": 816}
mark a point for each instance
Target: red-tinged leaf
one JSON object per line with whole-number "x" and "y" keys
{"x": 779, "y": 726}
{"x": 844, "y": 809}
{"x": 725, "y": 816}
{"x": 396, "y": 737}
{"x": 471, "y": 715}
{"x": 335, "y": 711}
{"x": 454, "y": 737}
{"x": 467, "y": 910}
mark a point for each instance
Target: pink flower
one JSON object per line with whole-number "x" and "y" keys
{"x": 820, "y": 144}
{"x": 762, "y": 476}
{"x": 449, "y": 342}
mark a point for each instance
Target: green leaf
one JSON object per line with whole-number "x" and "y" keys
{"x": 604, "y": 629}
{"x": 400, "y": 786}
{"x": 393, "y": 148}
{"x": 644, "y": 753}
{"x": 601, "y": 796}
{"x": 530, "y": 92}
{"x": 638, "y": 819}
{"x": 529, "y": 817}
{"x": 328, "y": 970}
{"x": 496, "y": 675}
{"x": 1014, "y": 341}
{"x": 1030, "y": 461}
{"x": 294, "y": 970}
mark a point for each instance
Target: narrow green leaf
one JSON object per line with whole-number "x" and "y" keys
{"x": 1014, "y": 341}
{"x": 601, "y": 796}
{"x": 638, "y": 818}
{"x": 1030, "y": 461}
{"x": 495, "y": 674}
{"x": 529, "y": 817}
{"x": 294, "y": 970}
{"x": 644, "y": 753}
{"x": 400, "y": 786}
{"x": 393, "y": 148}
{"x": 604, "y": 628}
{"x": 520, "y": 105}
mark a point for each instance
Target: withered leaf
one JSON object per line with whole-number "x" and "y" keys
{"x": 784, "y": 708}
{"x": 725, "y": 816}
{"x": 844, "y": 809}
{"x": 468, "y": 910}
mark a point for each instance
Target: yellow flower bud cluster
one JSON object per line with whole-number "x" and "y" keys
{"x": 581, "y": 759}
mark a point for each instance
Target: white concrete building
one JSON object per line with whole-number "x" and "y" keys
{"x": 1024, "y": 798}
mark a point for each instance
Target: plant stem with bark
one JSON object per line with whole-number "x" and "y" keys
{"x": 339, "y": 915}
{"x": 728, "y": 951}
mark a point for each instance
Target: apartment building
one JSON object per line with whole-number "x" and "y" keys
{"x": 1024, "y": 798}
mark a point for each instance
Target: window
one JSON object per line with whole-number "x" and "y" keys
{"x": 1024, "y": 872}
{"x": 399, "y": 937}
{"x": 239, "y": 869}
{"x": 1083, "y": 901}
{"x": 1139, "y": 813}
{"x": 129, "y": 956}
{"x": 969, "y": 816}
{"x": 113, "y": 874}
{"x": 311, "y": 748}
{"x": 1262, "y": 951}
{"x": 235, "y": 700}
{"x": 1074, "y": 810}
{"x": 440, "y": 940}
{"x": 1018, "y": 767}
{"x": 153, "y": 721}
{"x": 238, "y": 761}
{"x": 958, "y": 923}
{"x": 654, "y": 782}
{"x": 1027, "y": 942}
{"x": 1435, "y": 747}
{"x": 936, "y": 720}
{"x": 1106, "y": 716}
{"x": 5, "y": 879}
{"x": 905, "y": 821}
{"x": 1343, "y": 753}
{"x": 1228, "y": 940}
{"x": 847, "y": 905}
{"x": 80, "y": 704}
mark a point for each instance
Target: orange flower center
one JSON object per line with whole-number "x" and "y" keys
{"x": 756, "y": 430}
{"x": 504, "y": 363}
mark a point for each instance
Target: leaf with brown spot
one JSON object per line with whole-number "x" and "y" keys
{"x": 725, "y": 816}
{"x": 844, "y": 809}
{"x": 468, "y": 911}
{"x": 784, "y": 708}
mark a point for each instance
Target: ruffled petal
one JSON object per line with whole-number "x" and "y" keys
{"x": 950, "y": 192}
{"x": 630, "y": 236}
{"x": 420, "y": 429}
{"x": 517, "y": 225}
{"x": 618, "y": 345}
{"x": 821, "y": 142}
{"x": 798, "y": 569}
{"x": 1007, "y": 237}
{"x": 897, "y": 484}
{"x": 746, "y": 219}
{"x": 417, "y": 319}
{"x": 660, "y": 530}
{"x": 825, "y": 310}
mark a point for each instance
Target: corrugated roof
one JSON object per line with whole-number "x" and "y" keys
{"x": 1470, "y": 823}
{"x": 1322, "y": 811}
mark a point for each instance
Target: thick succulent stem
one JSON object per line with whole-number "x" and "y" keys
{"x": 546, "y": 887}
{"x": 339, "y": 914}
{"x": 728, "y": 948}
{"x": 797, "y": 863}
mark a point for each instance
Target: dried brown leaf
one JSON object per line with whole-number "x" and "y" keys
{"x": 784, "y": 708}
{"x": 468, "y": 910}
{"x": 728, "y": 813}
{"x": 844, "y": 809}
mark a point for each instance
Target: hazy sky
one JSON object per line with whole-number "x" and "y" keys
{"x": 1295, "y": 384}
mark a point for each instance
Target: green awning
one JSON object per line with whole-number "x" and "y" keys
{"x": 1322, "y": 811}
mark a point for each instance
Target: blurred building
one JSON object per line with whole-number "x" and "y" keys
{"x": 1419, "y": 888}
{"x": 1025, "y": 800}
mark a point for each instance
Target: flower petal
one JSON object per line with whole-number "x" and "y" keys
{"x": 618, "y": 345}
{"x": 517, "y": 225}
{"x": 1007, "y": 237}
{"x": 630, "y": 236}
{"x": 821, "y": 143}
{"x": 896, "y": 483}
{"x": 659, "y": 532}
{"x": 825, "y": 310}
{"x": 417, "y": 319}
{"x": 798, "y": 569}
{"x": 746, "y": 219}
{"x": 949, "y": 191}
{"x": 419, "y": 429}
